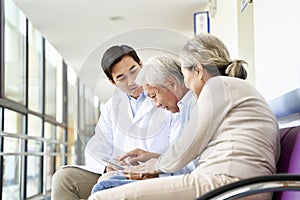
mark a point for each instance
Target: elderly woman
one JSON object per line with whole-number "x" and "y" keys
{"x": 232, "y": 131}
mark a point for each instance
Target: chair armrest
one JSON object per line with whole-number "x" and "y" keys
{"x": 260, "y": 184}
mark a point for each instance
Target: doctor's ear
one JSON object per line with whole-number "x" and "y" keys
{"x": 141, "y": 64}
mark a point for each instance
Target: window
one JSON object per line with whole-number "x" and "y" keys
{"x": 37, "y": 135}
{"x": 53, "y": 62}
{"x": 49, "y": 130}
{"x": 73, "y": 142}
{"x": 15, "y": 53}
{"x": 12, "y": 149}
{"x": 60, "y": 147}
{"x": 35, "y": 69}
{"x": 34, "y": 162}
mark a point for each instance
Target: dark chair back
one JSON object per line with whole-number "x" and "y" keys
{"x": 289, "y": 161}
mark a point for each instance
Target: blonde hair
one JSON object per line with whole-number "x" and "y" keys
{"x": 213, "y": 55}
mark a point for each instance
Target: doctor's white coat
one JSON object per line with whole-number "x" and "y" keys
{"x": 117, "y": 131}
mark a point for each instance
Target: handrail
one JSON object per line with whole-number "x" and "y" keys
{"x": 286, "y": 104}
{"x": 36, "y": 154}
{"x": 28, "y": 137}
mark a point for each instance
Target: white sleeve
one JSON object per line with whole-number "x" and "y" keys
{"x": 206, "y": 117}
{"x": 101, "y": 143}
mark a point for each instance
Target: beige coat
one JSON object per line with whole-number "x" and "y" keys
{"x": 236, "y": 133}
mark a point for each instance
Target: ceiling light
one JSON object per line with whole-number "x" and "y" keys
{"x": 116, "y": 18}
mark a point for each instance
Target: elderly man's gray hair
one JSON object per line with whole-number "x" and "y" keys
{"x": 158, "y": 69}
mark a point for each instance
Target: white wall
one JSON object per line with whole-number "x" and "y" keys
{"x": 272, "y": 49}
{"x": 277, "y": 43}
{"x": 246, "y": 39}
{"x": 224, "y": 25}
{"x": 235, "y": 29}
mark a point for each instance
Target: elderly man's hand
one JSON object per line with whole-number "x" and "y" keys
{"x": 143, "y": 171}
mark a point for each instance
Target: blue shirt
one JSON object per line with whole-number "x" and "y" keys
{"x": 185, "y": 105}
{"x": 135, "y": 104}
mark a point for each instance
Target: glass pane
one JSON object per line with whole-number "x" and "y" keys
{"x": 60, "y": 148}
{"x": 81, "y": 107}
{"x": 11, "y": 177}
{"x": 34, "y": 126}
{"x": 34, "y": 176}
{"x": 50, "y": 78}
{"x": 49, "y": 169}
{"x": 15, "y": 53}
{"x": 13, "y": 122}
{"x": 72, "y": 99}
{"x": 49, "y": 131}
{"x": 87, "y": 108}
{"x": 1, "y": 118}
{"x": 72, "y": 116}
{"x": 49, "y": 160}
{"x": 59, "y": 90}
{"x": 35, "y": 67}
{"x": 12, "y": 145}
{"x": 60, "y": 134}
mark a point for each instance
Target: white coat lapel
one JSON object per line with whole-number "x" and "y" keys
{"x": 121, "y": 107}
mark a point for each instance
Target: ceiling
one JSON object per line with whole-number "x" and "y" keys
{"x": 81, "y": 30}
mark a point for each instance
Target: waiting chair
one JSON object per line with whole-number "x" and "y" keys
{"x": 283, "y": 184}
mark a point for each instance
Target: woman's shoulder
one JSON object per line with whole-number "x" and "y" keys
{"x": 226, "y": 81}
{"x": 230, "y": 86}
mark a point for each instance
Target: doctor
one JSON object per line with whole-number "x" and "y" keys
{"x": 128, "y": 121}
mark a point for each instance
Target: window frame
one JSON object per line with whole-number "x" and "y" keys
{"x": 6, "y": 103}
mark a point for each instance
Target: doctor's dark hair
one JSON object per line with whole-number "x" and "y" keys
{"x": 213, "y": 55}
{"x": 113, "y": 55}
{"x": 157, "y": 71}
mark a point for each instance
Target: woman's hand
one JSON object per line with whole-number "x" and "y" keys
{"x": 143, "y": 171}
{"x": 138, "y": 155}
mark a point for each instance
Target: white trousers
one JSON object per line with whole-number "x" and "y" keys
{"x": 174, "y": 187}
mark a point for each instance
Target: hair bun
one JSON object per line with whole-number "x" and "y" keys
{"x": 236, "y": 69}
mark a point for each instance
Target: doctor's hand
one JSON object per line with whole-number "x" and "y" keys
{"x": 143, "y": 171}
{"x": 138, "y": 155}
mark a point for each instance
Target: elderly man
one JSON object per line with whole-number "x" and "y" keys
{"x": 163, "y": 82}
